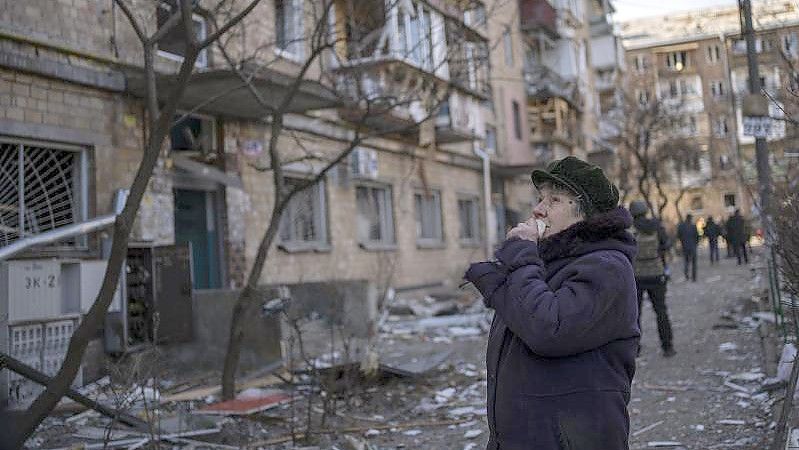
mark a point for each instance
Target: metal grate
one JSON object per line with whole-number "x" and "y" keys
{"x": 39, "y": 190}
{"x": 43, "y": 346}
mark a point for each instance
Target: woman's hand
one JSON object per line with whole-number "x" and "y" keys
{"x": 525, "y": 230}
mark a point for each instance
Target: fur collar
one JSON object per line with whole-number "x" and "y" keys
{"x": 577, "y": 239}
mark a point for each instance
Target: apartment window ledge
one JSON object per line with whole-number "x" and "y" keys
{"x": 290, "y": 56}
{"x": 431, "y": 245}
{"x": 304, "y": 247}
{"x": 378, "y": 246}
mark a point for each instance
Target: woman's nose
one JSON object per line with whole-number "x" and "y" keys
{"x": 539, "y": 212}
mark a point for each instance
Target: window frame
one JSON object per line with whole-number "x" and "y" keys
{"x": 734, "y": 200}
{"x": 294, "y": 49}
{"x": 387, "y": 224}
{"x": 721, "y": 127}
{"x": 491, "y": 145}
{"x": 213, "y": 123}
{"x": 474, "y": 217}
{"x": 507, "y": 47}
{"x": 202, "y": 57}
{"x": 717, "y": 88}
{"x": 701, "y": 202}
{"x": 320, "y": 217}
{"x": 672, "y": 58}
{"x": 713, "y": 53}
{"x": 81, "y": 242}
{"x": 517, "y": 119}
{"x": 641, "y": 63}
{"x": 438, "y": 241}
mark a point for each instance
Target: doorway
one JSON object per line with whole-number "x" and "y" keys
{"x": 196, "y": 223}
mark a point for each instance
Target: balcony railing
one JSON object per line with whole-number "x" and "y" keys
{"x": 543, "y": 82}
{"x": 538, "y": 15}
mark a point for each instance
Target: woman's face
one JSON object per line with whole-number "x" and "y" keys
{"x": 558, "y": 209}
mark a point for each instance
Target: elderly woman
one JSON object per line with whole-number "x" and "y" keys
{"x": 561, "y": 351}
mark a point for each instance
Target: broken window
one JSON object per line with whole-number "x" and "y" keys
{"x": 304, "y": 223}
{"x": 173, "y": 44}
{"x": 193, "y": 133}
{"x": 289, "y": 27}
{"x": 375, "y": 215}
{"x": 428, "y": 217}
{"x": 696, "y": 203}
{"x": 468, "y": 214}
{"x": 416, "y": 34}
{"x": 362, "y": 24}
{"x": 729, "y": 200}
{"x": 42, "y": 187}
{"x": 677, "y": 60}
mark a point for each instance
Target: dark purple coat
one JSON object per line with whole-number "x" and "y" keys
{"x": 562, "y": 346}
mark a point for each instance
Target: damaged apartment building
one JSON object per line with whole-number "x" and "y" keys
{"x": 557, "y": 75}
{"x": 699, "y": 61}
{"x": 499, "y": 89}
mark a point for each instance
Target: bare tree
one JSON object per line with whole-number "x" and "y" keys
{"x": 645, "y": 124}
{"x": 160, "y": 110}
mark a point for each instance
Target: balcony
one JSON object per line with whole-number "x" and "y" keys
{"x": 605, "y": 81}
{"x": 455, "y": 121}
{"x": 235, "y": 100}
{"x": 609, "y": 130}
{"x": 539, "y": 16}
{"x": 388, "y": 100}
{"x": 543, "y": 83}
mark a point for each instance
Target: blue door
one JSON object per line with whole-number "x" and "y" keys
{"x": 195, "y": 222}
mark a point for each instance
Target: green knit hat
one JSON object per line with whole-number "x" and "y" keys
{"x": 586, "y": 181}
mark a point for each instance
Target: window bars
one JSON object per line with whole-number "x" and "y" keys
{"x": 41, "y": 188}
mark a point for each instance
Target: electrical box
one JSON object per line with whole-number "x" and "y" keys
{"x": 31, "y": 289}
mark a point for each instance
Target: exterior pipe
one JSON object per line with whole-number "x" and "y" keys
{"x": 57, "y": 234}
{"x": 68, "y": 231}
{"x": 489, "y": 224}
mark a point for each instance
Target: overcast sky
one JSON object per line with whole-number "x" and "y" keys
{"x": 631, "y": 9}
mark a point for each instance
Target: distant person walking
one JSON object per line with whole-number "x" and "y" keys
{"x": 712, "y": 232}
{"x": 725, "y": 227}
{"x": 738, "y": 230}
{"x": 689, "y": 238}
{"x": 650, "y": 270}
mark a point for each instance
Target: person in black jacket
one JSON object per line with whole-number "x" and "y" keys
{"x": 561, "y": 350}
{"x": 650, "y": 270}
{"x": 739, "y": 234}
{"x": 712, "y": 232}
{"x": 689, "y": 238}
